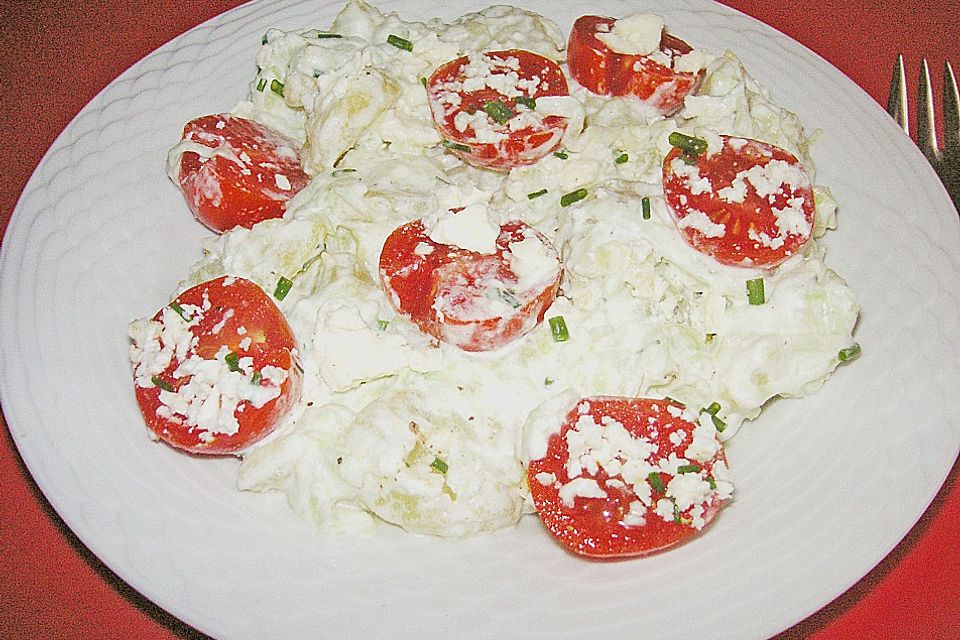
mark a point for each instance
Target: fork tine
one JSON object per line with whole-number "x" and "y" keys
{"x": 951, "y": 112}
{"x": 896, "y": 100}
{"x": 926, "y": 124}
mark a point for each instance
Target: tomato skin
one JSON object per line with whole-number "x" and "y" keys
{"x": 256, "y": 172}
{"x": 743, "y": 222}
{"x": 592, "y": 526}
{"x": 441, "y": 290}
{"x": 606, "y": 72}
{"x": 524, "y": 146}
{"x": 238, "y": 310}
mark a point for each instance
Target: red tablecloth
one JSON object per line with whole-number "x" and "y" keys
{"x": 56, "y": 56}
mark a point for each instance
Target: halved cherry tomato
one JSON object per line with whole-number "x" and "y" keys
{"x": 247, "y": 176}
{"x": 606, "y": 72}
{"x": 749, "y": 204}
{"x": 483, "y": 106}
{"x": 216, "y": 370}
{"x": 468, "y": 299}
{"x": 622, "y": 477}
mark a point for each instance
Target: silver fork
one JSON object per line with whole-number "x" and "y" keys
{"x": 945, "y": 161}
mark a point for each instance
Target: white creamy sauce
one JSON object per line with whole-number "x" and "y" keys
{"x": 393, "y": 426}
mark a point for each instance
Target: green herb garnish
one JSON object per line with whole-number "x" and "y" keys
{"x": 688, "y": 468}
{"x": 563, "y": 155}
{"x": 277, "y": 87}
{"x": 755, "y": 293}
{"x": 645, "y": 207}
{"x": 233, "y": 361}
{"x": 656, "y": 482}
{"x": 262, "y": 84}
{"x": 529, "y": 103}
{"x": 383, "y": 324}
{"x": 497, "y": 111}
{"x": 456, "y": 146}
{"x": 568, "y": 199}
{"x": 691, "y": 147}
{"x": 284, "y": 285}
{"x": 439, "y": 465}
{"x": 558, "y": 329}
{"x": 322, "y": 35}
{"x": 163, "y": 384}
{"x": 400, "y": 43}
{"x": 713, "y": 409}
{"x": 850, "y": 353}
{"x": 180, "y": 312}
{"x": 256, "y": 377}
{"x": 622, "y": 158}
{"x": 536, "y": 194}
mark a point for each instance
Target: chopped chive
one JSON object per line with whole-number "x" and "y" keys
{"x": 340, "y": 172}
{"x": 232, "y": 360}
{"x": 321, "y": 35}
{"x": 718, "y": 423}
{"x": 262, "y": 84}
{"x": 529, "y": 103}
{"x": 163, "y": 384}
{"x": 264, "y": 40}
{"x": 691, "y": 147}
{"x": 675, "y": 401}
{"x": 439, "y": 465}
{"x": 180, "y": 312}
{"x": 563, "y": 155}
{"x": 709, "y": 337}
{"x": 497, "y": 111}
{"x": 284, "y": 285}
{"x": 850, "y": 353}
{"x": 676, "y": 513}
{"x": 256, "y": 377}
{"x": 568, "y": 199}
{"x": 383, "y": 324}
{"x": 713, "y": 409}
{"x": 547, "y": 382}
{"x": 623, "y": 157}
{"x": 645, "y": 207}
{"x": 711, "y": 482}
{"x": 688, "y": 468}
{"x": 423, "y": 81}
{"x": 400, "y": 43}
{"x": 656, "y": 482}
{"x": 277, "y": 87}
{"x": 558, "y": 329}
{"x": 506, "y": 296}
{"x": 755, "y": 293}
{"x": 456, "y": 146}
{"x": 536, "y": 194}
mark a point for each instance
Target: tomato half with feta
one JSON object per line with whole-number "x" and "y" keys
{"x": 475, "y": 301}
{"x": 236, "y": 172}
{"x": 484, "y": 106}
{"x": 629, "y": 476}
{"x": 217, "y": 369}
{"x": 653, "y": 78}
{"x": 749, "y": 203}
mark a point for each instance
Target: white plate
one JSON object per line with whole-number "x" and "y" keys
{"x": 826, "y": 485}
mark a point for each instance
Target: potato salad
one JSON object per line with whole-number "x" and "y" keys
{"x": 466, "y": 272}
